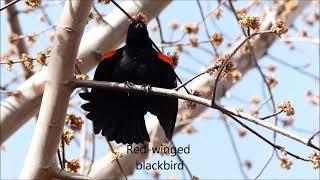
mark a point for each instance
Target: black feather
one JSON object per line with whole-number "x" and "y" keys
{"x": 119, "y": 116}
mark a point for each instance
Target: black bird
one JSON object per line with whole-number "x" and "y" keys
{"x": 120, "y": 115}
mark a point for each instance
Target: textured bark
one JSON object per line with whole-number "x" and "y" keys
{"x": 204, "y": 84}
{"x": 103, "y": 168}
{"x": 56, "y": 95}
{"x": 15, "y": 111}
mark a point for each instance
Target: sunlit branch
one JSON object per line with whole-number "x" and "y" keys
{"x": 173, "y": 93}
{"x": 9, "y": 4}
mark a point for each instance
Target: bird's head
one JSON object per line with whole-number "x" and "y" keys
{"x": 138, "y": 35}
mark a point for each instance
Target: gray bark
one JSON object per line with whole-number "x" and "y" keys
{"x": 56, "y": 95}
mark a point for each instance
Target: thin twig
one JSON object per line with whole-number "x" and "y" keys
{"x": 240, "y": 99}
{"x": 266, "y": 140}
{"x": 205, "y": 50}
{"x": 206, "y": 28}
{"x": 82, "y": 144}
{"x": 300, "y": 130}
{"x": 59, "y": 158}
{"x": 172, "y": 43}
{"x": 264, "y": 103}
{"x": 160, "y": 32}
{"x": 266, "y": 125}
{"x": 187, "y": 70}
{"x": 63, "y": 152}
{"x": 196, "y": 60}
{"x": 93, "y": 150}
{"x": 161, "y": 37}
{"x": 312, "y": 137}
{"x": 272, "y": 115}
{"x": 182, "y": 161}
{"x": 117, "y": 160}
{"x": 20, "y": 61}
{"x": 184, "y": 44}
{"x": 265, "y": 165}
{"x": 225, "y": 63}
{"x": 253, "y": 56}
{"x": 9, "y": 4}
{"x": 48, "y": 20}
{"x": 49, "y": 4}
{"x": 154, "y": 44}
{"x": 15, "y": 27}
{"x": 235, "y": 148}
{"x": 121, "y": 9}
{"x": 99, "y": 15}
{"x": 296, "y": 68}
{"x": 230, "y": 56}
{"x": 187, "y": 82}
{"x": 19, "y": 37}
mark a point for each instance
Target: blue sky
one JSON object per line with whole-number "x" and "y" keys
{"x": 211, "y": 154}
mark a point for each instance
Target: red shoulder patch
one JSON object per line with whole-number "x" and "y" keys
{"x": 166, "y": 59}
{"x": 109, "y": 54}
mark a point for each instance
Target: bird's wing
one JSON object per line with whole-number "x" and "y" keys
{"x": 166, "y": 59}
{"x": 97, "y": 97}
{"x": 165, "y": 108}
{"x": 116, "y": 115}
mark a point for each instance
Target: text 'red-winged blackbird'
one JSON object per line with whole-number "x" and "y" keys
{"x": 119, "y": 115}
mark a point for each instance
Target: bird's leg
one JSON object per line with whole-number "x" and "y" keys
{"x": 146, "y": 88}
{"x": 129, "y": 85}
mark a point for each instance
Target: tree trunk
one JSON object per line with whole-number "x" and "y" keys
{"x": 17, "y": 110}
{"x": 56, "y": 95}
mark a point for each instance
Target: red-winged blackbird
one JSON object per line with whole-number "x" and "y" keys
{"x": 120, "y": 115}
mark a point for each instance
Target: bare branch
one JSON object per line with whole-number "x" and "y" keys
{"x": 15, "y": 28}
{"x": 312, "y": 137}
{"x": 267, "y": 141}
{"x": 117, "y": 160}
{"x": 296, "y": 68}
{"x": 272, "y": 115}
{"x": 182, "y": 161}
{"x": 99, "y": 15}
{"x": 204, "y": 82}
{"x": 9, "y": 4}
{"x": 56, "y": 94}
{"x": 206, "y": 28}
{"x": 228, "y": 59}
{"x": 60, "y": 174}
{"x": 15, "y": 111}
{"x": 235, "y": 148}
{"x": 189, "y": 97}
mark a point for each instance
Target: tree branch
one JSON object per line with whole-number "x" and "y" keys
{"x": 16, "y": 110}
{"x": 56, "y": 96}
{"x": 60, "y": 174}
{"x": 235, "y": 148}
{"x": 173, "y": 93}
{"x": 15, "y": 28}
{"x": 8, "y": 4}
{"x": 204, "y": 85}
